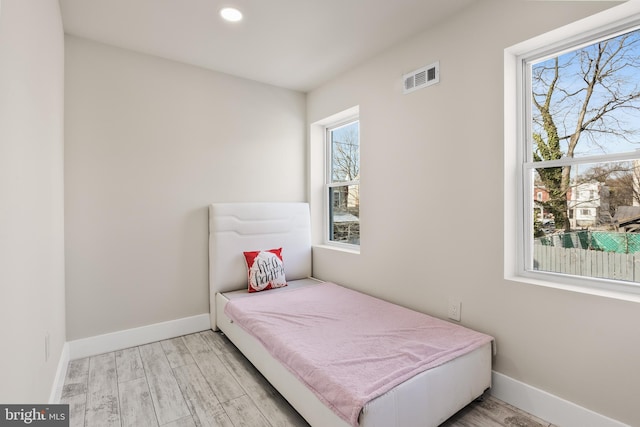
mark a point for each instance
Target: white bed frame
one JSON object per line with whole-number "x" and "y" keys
{"x": 427, "y": 399}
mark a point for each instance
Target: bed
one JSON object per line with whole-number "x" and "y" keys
{"x": 427, "y": 398}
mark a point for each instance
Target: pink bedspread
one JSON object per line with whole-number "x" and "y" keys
{"x": 347, "y": 347}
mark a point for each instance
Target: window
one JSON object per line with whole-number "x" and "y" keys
{"x": 580, "y": 139}
{"x": 343, "y": 182}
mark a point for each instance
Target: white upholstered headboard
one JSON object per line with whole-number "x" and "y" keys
{"x": 238, "y": 227}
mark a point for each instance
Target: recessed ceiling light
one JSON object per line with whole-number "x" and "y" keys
{"x": 231, "y": 14}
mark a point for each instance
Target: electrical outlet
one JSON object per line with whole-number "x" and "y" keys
{"x": 455, "y": 307}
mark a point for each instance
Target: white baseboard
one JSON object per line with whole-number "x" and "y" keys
{"x": 61, "y": 373}
{"x": 137, "y": 336}
{"x": 99, "y": 344}
{"x": 547, "y": 406}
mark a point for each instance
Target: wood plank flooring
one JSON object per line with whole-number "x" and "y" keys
{"x": 203, "y": 380}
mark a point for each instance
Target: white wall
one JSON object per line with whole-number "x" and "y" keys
{"x": 31, "y": 198}
{"x": 149, "y": 144}
{"x": 432, "y": 208}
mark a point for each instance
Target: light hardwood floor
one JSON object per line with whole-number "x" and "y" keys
{"x": 203, "y": 380}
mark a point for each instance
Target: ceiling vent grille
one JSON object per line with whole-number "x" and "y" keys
{"x": 422, "y": 77}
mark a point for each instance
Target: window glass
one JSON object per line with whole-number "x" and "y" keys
{"x": 343, "y": 183}
{"x": 583, "y": 158}
{"x": 585, "y": 102}
{"x": 345, "y": 152}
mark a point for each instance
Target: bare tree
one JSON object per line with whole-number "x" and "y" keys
{"x": 346, "y": 156}
{"x": 588, "y": 95}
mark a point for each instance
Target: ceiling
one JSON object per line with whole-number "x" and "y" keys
{"x": 296, "y": 44}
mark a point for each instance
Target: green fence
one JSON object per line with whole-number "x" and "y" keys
{"x": 606, "y": 241}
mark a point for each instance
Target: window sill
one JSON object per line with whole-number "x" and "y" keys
{"x": 354, "y": 250}
{"x": 597, "y": 287}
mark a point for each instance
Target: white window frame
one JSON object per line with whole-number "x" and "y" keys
{"x": 329, "y": 185}
{"x": 518, "y": 206}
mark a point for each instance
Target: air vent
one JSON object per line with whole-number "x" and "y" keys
{"x": 422, "y": 77}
